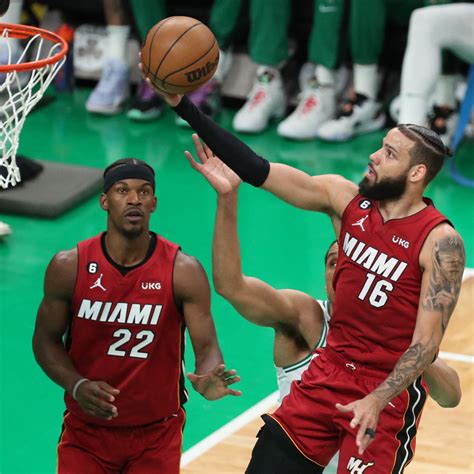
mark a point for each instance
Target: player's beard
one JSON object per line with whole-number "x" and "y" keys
{"x": 385, "y": 189}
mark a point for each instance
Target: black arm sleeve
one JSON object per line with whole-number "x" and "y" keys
{"x": 251, "y": 168}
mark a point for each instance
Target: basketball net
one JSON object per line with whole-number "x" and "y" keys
{"x": 23, "y": 80}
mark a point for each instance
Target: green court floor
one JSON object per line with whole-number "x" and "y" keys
{"x": 280, "y": 244}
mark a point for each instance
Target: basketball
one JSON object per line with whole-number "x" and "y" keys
{"x": 179, "y": 55}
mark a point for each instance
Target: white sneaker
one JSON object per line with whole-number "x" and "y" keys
{"x": 110, "y": 94}
{"x": 317, "y": 106}
{"x": 360, "y": 116}
{"x": 5, "y": 230}
{"x": 265, "y": 101}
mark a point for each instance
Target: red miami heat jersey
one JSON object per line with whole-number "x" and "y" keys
{"x": 377, "y": 282}
{"x": 127, "y": 331}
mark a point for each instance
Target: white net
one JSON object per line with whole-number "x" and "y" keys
{"x": 19, "y": 92}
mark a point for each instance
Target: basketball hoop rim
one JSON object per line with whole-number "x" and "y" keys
{"x": 24, "y": 31}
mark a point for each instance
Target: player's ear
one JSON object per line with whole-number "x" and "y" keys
{"x": 417, "y": 173}
{"x": 104, "y": 202}
{"x": 155, "y": 204}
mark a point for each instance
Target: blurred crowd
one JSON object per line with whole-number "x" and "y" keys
{"x": 344, "y": 86}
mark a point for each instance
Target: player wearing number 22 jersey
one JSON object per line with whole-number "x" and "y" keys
{"x": 127, "y": 329}
{"x": 110, "y": 331}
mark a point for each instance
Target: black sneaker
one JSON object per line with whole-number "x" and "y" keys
{"x": 146, "y": 104}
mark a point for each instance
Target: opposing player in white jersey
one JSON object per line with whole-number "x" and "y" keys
{"x": 300, "y": 322}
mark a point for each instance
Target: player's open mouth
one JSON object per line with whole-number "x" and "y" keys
{"x": 370, "y": 173}
{"x": 134, "y": 215}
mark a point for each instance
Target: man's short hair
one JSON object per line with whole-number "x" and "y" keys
{"x": 428, "y": 148}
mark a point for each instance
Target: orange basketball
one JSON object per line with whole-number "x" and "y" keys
{"x": 180, "y": 54}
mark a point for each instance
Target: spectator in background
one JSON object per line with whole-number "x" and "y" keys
{"x": 319, "y": 90}
{"x": 113, "y": 89}
{"x": 268, "y": 47}
{"x": 362, "y": 112}
{"x": 433, "y": 29}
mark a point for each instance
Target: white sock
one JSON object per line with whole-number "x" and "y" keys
{"x": 366, "y": 79}
{"x": 13, "y": 16}
{"x": 325, "y": 76}
{"x": 117, "y": 37}
{"x": 413, "y": 109}
{"x": 445, "y": 92}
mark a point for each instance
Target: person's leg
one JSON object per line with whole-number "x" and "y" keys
{"x": 431, "y": 30}
{"x": 275, "y": 455}
{"x": 78, "y": 447}
{"x": 361, "y": 113}
{"x": 159, "y": 447}
{"x": 146, "y": 105}
{"x": 318, "y": 98}
{"x": 146, "y": 14}
{"x": 268, "y": 47}
{"x": 268, "y": 42}
{"x": 110, "y": 94}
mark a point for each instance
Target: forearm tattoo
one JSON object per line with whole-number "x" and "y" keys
{"x": 445, "y": 279}
{"x": 410, "y": 365}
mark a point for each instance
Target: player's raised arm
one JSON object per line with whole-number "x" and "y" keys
{"x": 94, "y": 397}
{"x": 328, "y": 193}
{"x": 444, "y": 385}
{"x": 254, "y": 299}
{"x": 193, "y": 294}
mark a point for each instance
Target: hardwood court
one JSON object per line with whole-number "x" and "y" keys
{"x": 445, "y": 438}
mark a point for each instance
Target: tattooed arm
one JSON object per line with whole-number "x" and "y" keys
{"x": 442, "y": 260}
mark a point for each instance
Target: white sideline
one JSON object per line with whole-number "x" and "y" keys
{"x": 239, "y": 422}
{"x": 264, "y": 405}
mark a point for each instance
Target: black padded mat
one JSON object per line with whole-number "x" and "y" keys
{"x": 55, "y": 190}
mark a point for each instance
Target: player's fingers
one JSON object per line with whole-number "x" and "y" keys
{"x": 219, "y": 370}
{"x": 192, "y": 377}
{"x": 232, "y": 380}
{"x": 199, "y": 149}
{"x": 343, "y": 408}
{"x": 108, "y": 388}
{"x": 233, "y": 393}
{"x": 194, "y": 164}
{"x": 230, "y": 373}
{"x": 355, "y": 421}
{"x": 207, "y": 150}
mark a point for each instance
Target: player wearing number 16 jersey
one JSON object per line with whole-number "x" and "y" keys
{"x": 123, "y": 300}
{"x": 364, "y": 394}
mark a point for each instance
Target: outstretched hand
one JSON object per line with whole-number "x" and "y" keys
{"x": 215, "y": 384}
{"x": 171, "y": 99}
{"x": 217, "y": 173}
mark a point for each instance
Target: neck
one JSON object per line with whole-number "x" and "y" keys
{"x": 126, "y": 251}
{"x": 401, "y": 207}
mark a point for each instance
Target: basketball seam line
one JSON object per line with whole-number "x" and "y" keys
{"x": 190, "y": 64}
{"x": 172, "y": 46}
{"x": 151, "y": 44}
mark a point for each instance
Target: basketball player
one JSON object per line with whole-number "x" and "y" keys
{"x": 121, "y": 301}
{"x": 389, "y": 314}
{"x": 299, "y": 323}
